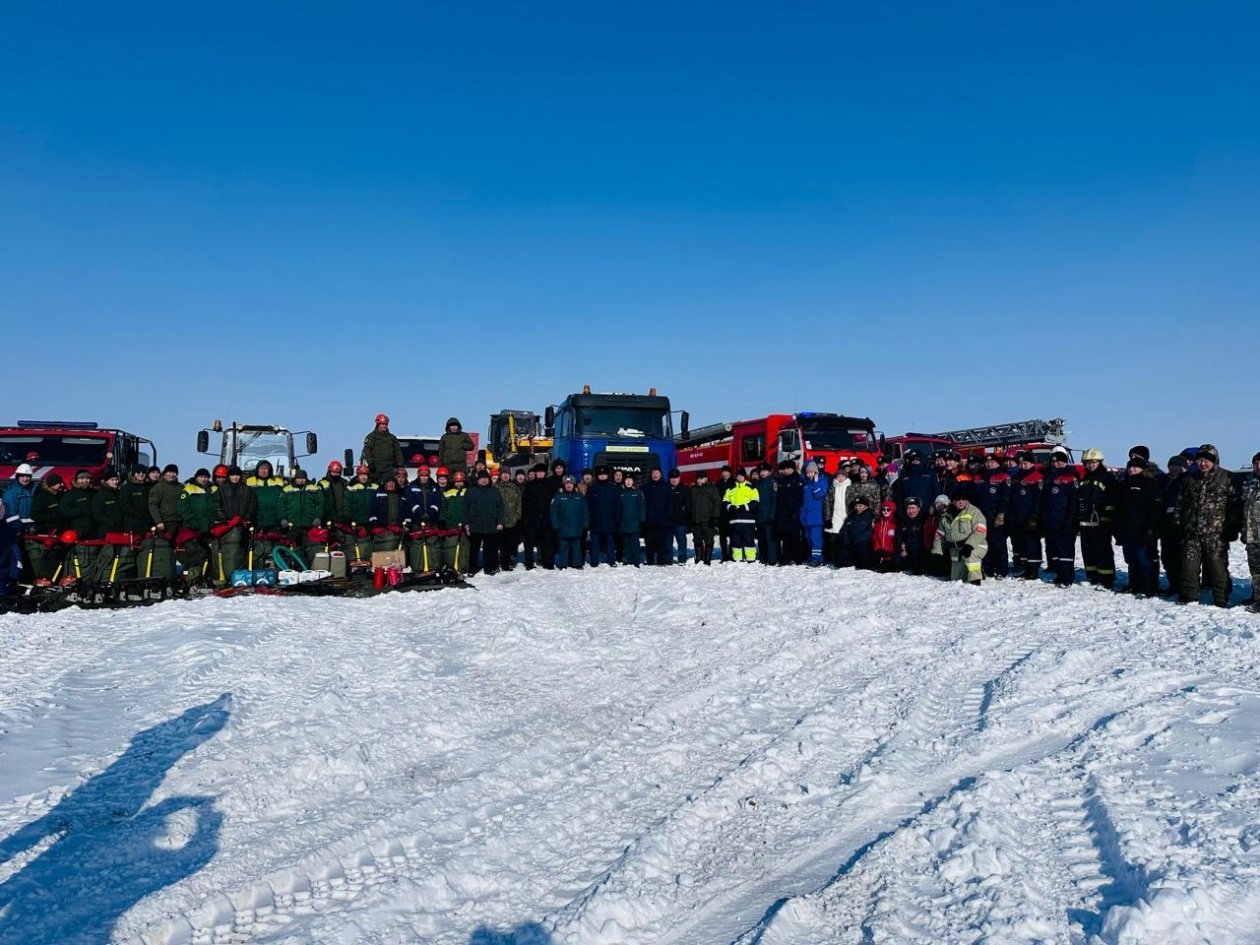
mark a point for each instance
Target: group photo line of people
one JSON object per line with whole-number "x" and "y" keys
{"x": 994, "y": 516}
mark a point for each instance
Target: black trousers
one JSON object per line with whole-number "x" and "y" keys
{"x": 485, "y": 545}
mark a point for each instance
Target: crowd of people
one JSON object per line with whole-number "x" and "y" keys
{"x": 994, "y": 516}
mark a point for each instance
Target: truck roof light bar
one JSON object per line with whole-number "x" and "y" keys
{"x": 58, "y": 424}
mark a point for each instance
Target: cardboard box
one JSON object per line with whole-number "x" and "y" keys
{"x": 389, "y": 559}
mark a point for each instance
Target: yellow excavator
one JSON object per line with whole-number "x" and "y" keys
{"x": 516, "y": 440}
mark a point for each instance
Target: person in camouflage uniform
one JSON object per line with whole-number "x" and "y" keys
{"x": 511, "y": 488}
{"x": 1210, "y": 513}
{"x": 381, "y": 451}
{"x": 1251, "y": 527}
{"x": 706, "y": 509}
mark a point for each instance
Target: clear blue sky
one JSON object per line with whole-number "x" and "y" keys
{"x": 939, "y": 215}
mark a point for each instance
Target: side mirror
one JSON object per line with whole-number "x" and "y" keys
{"x": 349, "y": 463}
{"x": 685, "y": 422}
{"x": 203, "y": 441}
{"x": 312, "y": 444}
{"x": 550, "y": 421}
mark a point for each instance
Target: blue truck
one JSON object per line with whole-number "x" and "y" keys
{"x": 630, "y": 432}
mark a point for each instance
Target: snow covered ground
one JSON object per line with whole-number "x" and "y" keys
{"x": 685, "y": 755}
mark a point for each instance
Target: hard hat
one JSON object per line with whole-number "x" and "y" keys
{"x": 335, "y": 466}
{"x": 69, "y": 537}
{"x": 220, "y": 471}
{"x": 1060, "y": 453}
{"x": 1091, "y": 455}
{"x": 443, "y": 471}
{"x": 362, "y": 469}
{"x": 460, "y": 474}
{"x": 382, "y": 418}
{"x": 24, "y": 470}
{"x": 417, "y": 458}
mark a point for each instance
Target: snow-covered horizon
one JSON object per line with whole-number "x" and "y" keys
{"x": 729, "y": 755}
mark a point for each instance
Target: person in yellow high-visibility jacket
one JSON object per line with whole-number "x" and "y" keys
{"x": 963, "y": 535}
{"x": 740, "y": 501}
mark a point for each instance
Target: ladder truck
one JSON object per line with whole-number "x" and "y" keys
{"x": 1038, "y": 437}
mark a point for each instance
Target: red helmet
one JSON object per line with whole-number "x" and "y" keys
{"x": 69, "y": 537}
{"x": 335, "y": 467}
{"x": 460, "y": 475}
{"x": 382, "y": 418}
{"x": 220, "y": 472}
{"x": 443, "y": 471}
{"x": 362, "y": 469}
{"x": 417, "y": 459}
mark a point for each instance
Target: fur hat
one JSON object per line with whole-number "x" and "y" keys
{"x": 1143, "y": 452}
{"x": 1208, "y": 451}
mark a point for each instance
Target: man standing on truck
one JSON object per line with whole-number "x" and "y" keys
{"x": 454, "y": 447}
{"x": 381, "y": 451}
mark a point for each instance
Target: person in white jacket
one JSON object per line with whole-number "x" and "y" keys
{"x": 835, "y": 510}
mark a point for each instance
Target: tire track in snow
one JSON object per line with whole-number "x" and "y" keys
{"x": 697, "y": 838}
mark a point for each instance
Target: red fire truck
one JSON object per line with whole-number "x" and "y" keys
{"x": 800, "y": 437}
{"x": 66, "y": 446}
{"x": 1038, "y": 437}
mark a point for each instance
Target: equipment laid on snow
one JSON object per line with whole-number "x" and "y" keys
{"x": 800, "y": 437}
{"x": 247, "y": 444}
{"x": 66, "y": 446}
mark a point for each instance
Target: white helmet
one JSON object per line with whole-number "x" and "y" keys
{"x": 1092, "y": 454}
{"x": 24, "y": 470}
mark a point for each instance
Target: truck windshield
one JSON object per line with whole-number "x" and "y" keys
{"x": 50, "y": 449}
{"x": 821, "y": 435}
{"x": 624, "y": 421}
{"x": 253, "y": 448}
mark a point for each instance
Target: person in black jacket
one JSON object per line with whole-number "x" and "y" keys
{"x": 915, "y": 479}
{"x": 536, "y": 515}
{"x": 854, "y": 542}
{"x": 1137, "y": 526}
{"x": 679, "y": 519}
{"x": 1023, "y": 517}
{"x": 789, "y": 496}
{"x": 992, "y": 495}
{"x": 911, "y": 553}
{"x": 1059, "y": 517}
{"x": 1096, "y": 494}
{"x": 601, "y": 500}
{"x": 658, "y": 514}
{"x": 483, "y": 518}
{"x": 1170, "y": 521}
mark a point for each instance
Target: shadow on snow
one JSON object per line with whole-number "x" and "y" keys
{"x": 530, "y": 933}
{"x": 104, "y": 849}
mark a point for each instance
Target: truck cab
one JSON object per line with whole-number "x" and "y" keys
{"x": 66, "y": 446}
{"x": 630, "y": 432}
{"x": 247, "y": 444}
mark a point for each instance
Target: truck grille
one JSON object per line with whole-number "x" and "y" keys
{"x": 638, "y": 463}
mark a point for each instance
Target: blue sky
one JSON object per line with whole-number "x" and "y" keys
{"x": 937, "y": 215}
